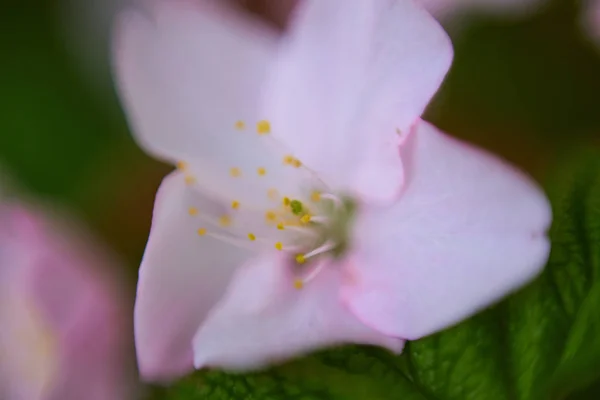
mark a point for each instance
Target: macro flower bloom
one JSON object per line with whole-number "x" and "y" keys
{"x": 311, "y": 206}
{"x": 63, "y": 333}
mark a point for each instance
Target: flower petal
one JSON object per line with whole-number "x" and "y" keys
{"x": 263, "y": 319}
{"x": 190, "y": 75}
{"x": 467, "y": 230}
{"x": 591, "y": 19}
{"x": 350, "y": 74}
{"x": 181, "y": 277}
{"x": 30, "y": 356}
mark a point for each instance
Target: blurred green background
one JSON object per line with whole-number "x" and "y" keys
{"x": 526, "y": 88}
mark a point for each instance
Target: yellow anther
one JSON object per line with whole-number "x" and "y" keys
{"x": 190, "y": 180}
{"x": 193, "y": 211}
{"x": 252, "y": 237}
{"x": 288, "y": 160}
{"x": 279, "y": 246}
{"x": 273, "y": 194}
{"x": 261, "y": 171}
{"x": 315, "y": 196}
{"x": 235, "y": 172}
{"x": 263, "y": 127}
{"x": 280, "y": 226}
{"x": 240, "y": 125}
{"x": 235, "y": 204}
{"x": 182, "y": 165}
{"x": 270, "y": 215}
{"x": 305, "y": 219}
{"x": 286, "y": 201}
{"x": 225, "y": 220}
{"x": 201, "y": 231}
{"x": 296, "y": 163}
{"x": 300, "y": 259}
{"x": 298, "y": 284}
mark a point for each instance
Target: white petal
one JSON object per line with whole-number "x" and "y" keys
{"x": 264, "y": 319}
{"x": 467, "y": 230}
{"x": 351, "y": 74}
{"x": 187, "y": 73}
{"x": 181, "y": 277}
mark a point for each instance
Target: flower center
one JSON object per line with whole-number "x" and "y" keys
{"x": 311, "y": 226}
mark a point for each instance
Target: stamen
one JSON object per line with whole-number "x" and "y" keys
{"x": 230, "y": 240}
{"x": 215, "y": 222}
{"x": 286, "y": 201}
{"x": 182, "y": 165}
{"x": 263, "y": 127}
{"x": 279, "y": 246}
{"x": 261, "y": 171}
{"x": 271, "y": 216}
{"x": 291, "y": 160}
{"x": 291, "y": 222}
{"x": 201, "y": 231}
{"x": 235, "y": 172}
{"x": 319, "y": 220}
{"x": 300, "y": 259}
{"x": 315, "y": 196}
{"x": 235, "y": 204}
{"x": 252, "y": 237}
{"x": 280, "y": 226}
{"x": 336, "y": 200}
{"x": 298, "y": 284}
{"x": 189, "y": 180}
{"x": 329, "y": 245}
{"x": 314, "y": 273}
{"x": 305, "y": 219}
{"x": 224, "y": 220}
{"x": 279, "y": 148}
{"x": 240, "y": 125}
{"x": 306, "y": 231}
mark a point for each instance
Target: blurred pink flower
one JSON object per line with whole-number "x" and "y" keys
{"x": 282, "y": 235}
{"x": 591, "y": 19}
{"x": 64, "y": 329}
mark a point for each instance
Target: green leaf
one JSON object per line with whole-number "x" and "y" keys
{"x": 350, "y": 373}
{"x": 519, "y": 348}
{"x": 541, "y": 343}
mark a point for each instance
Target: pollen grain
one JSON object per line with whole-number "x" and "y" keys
{"x": 263, "y": 127}
{"x": 235, "y": 172}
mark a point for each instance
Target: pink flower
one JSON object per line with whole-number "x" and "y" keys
{"x": 64, "y": 331}
{"x": 591, "y": 19}
{"x": 292, "y": 223}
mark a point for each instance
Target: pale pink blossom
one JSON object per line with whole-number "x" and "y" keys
{"x": 64, "y": 330}
{"x": 591, "y": 19}
{"x": 311, "y": 206}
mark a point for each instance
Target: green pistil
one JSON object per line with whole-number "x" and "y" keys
{"x": 296, "y": 207}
